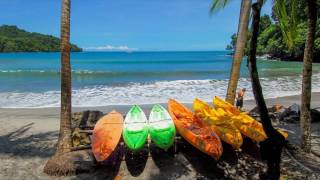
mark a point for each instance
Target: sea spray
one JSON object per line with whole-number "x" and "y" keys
{"x": 155, "y": 92}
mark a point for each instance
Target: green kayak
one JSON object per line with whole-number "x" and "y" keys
{"x": 135, "y": 131}
{"x": 161, "y": 127}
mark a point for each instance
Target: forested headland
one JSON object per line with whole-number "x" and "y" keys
{"x": 271, "y": 42}
{"x": 13, "y": 39}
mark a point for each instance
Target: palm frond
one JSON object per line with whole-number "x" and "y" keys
{"x": 218, "y": 5}
{"x": 287, "y": 23}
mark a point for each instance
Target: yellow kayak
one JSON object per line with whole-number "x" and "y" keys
{"x": 246, "y": 124}
{"x": 223, "y": 127}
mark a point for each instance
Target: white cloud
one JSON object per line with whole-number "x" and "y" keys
{"x": 111, "y": 48}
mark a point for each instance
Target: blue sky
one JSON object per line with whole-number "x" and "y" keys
{"x": 130, "y": 24}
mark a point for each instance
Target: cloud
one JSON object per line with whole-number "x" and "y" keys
{"x": 111, "y": 48}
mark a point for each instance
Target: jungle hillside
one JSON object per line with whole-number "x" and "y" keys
{"x": 13, "y": 39}
{"x": 271, "y": 42}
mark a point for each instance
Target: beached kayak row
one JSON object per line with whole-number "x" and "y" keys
{"x": 204, "y": 128}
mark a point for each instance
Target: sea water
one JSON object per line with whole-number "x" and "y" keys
{"x": 121, "y": 78}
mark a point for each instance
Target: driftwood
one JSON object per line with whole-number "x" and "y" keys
{"x": 82, "y": 128}
{"x": 121, "y": 143}
{"x": 89, "y": 132}
{"x": 79, "y": 148}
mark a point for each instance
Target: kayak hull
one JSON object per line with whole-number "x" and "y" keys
{"x": 246, "y": 124}
{"x": 106, "y": 135}
{"x": 161, "y": 127}
{"x": 135, "y": 131}
{"x": 193, "y": 131}
{"x": 224, "y": 128}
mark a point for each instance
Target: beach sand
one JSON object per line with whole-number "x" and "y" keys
{"x": 28, "y": 138}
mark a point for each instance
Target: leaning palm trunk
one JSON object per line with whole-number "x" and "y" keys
{"x": 305, "y": 118}
{"x": 61, "y": 163}
{"x": 271, "y": 148}
{"x": 239, "y": 51}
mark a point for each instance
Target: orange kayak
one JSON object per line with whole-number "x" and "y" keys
{"x": 106, "y": 135}
{"x": 192, "y": 130}
{"x": 223, "y": 127}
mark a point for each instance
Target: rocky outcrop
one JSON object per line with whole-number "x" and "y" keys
{"x": 290, "y": 114}
{"x": 315, "y": 115}
{"x": 83, "y": 120}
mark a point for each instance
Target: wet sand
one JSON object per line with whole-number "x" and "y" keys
{"x": 28, "y": 138}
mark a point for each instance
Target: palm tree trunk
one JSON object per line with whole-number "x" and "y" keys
{"x": 65, "y": 143}
{"x": 63, "y": 162}
{"x": 305, "y": 119}
{"x": 271, "y": 148}
{"x": 239, "y": 51}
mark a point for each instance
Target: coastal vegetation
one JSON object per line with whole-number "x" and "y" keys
{"x": 284, "y": 37}
{"x": 13, "y": 39}
{"x": 271, "y": 41}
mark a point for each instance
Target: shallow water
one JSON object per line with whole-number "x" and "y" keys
{"x": 104, "y": 78}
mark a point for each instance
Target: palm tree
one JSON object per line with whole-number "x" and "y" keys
{"x": 305, "y": 118}
{"x": 65, "y": 142}
{"x": 61, "y": 163}
{"x": 287, "y": 25}
{"x": 271, "y": 148}
{"x": 240, "y": 44}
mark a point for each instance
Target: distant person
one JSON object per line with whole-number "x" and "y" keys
{"x": 239, "y": 98}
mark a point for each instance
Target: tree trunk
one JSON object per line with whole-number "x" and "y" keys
{"x": 65, "y": 142}
{"x": 63, "y": 162}
{"x": 271, "y": 148}
{"x": 239, "y": 51}
{"x": 305, "y": 119}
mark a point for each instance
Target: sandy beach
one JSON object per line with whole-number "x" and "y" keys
{"x": 28, "y": 137}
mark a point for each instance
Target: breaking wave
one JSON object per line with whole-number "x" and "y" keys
{"x": 153, "y": 92}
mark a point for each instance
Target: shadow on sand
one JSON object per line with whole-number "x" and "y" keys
{"x": 108, "y": 169}
{"x": 204, "y": 165}
{"x": 20, "y": 143}
{"x": 136, "y": 161}
{"x": 170, "y": 166}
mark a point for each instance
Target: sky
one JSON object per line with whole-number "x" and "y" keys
{"x": 145, "y": 25}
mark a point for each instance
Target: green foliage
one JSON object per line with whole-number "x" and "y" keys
{"x": 218, "y": 5}
{"x": 13, "y": 39}
{"x": 265, "y": 22}
{"x": 232, "y": 45}
{"x": 287, "y": 19}
{"x": 272, "y": 42}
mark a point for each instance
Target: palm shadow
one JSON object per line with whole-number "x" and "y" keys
{"x": 205, "y": 166}
{"x": 20, "y": 143}
{"x": 108, "y": 169}
{"x": 251, "y": 148}
{"x": 170, "y": 165}
{"x": 136, "y": 161}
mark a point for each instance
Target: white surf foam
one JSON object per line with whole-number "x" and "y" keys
{"x": 157, "y": 92}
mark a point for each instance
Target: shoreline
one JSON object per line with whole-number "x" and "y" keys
{"x": 248, "y": 105}
{"x": 48, "y": 119}
{"x": 28, "y": 138}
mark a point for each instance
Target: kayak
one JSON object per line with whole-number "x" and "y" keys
{"x": 245, "y": 123}
{"x": 224, "y": 128}
{"x": 135, "y": 131}
{"x": 194, "y": 131}
{"x": 161, "y": 127}
{"x": 106, "y": 135}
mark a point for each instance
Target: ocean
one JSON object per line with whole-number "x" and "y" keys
{"x": 32, "y": 80}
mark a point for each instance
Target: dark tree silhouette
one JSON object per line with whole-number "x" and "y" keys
{"x": 271, "y": 148}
